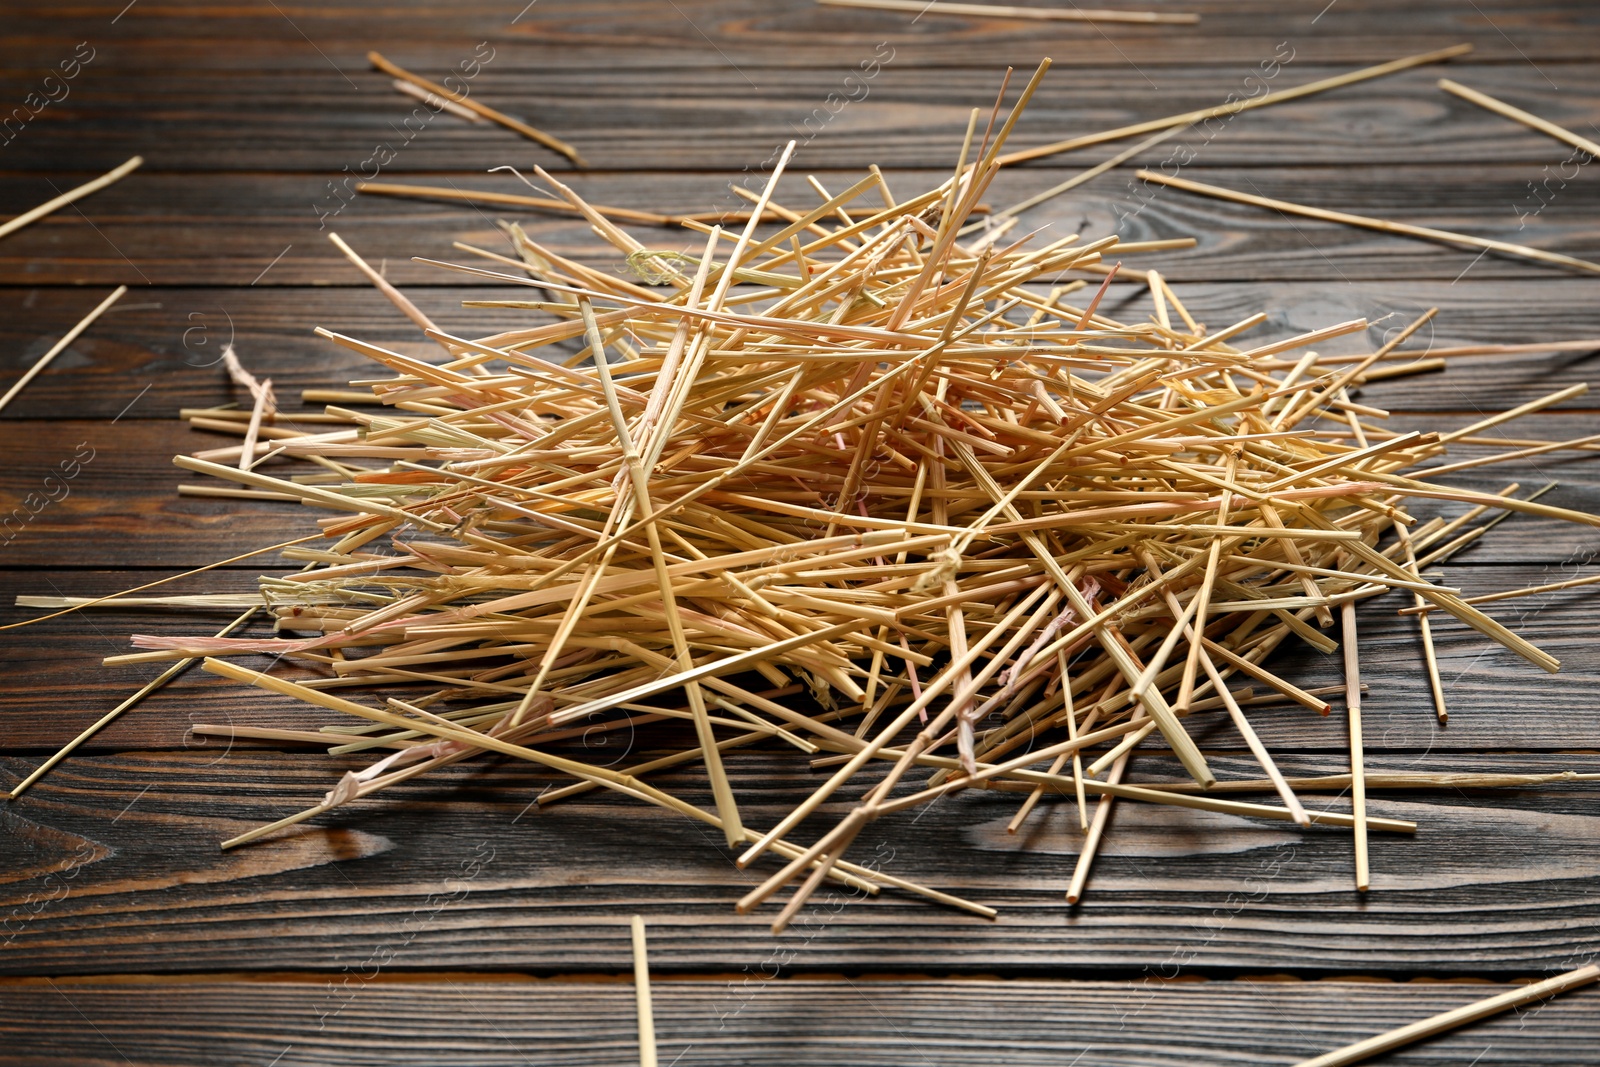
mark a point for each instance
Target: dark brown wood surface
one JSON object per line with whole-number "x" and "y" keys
{"x": 751, "y": 1020}
{"x": 448, "y": 921}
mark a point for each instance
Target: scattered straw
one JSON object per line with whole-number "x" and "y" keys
{"x": 844, "y": 484}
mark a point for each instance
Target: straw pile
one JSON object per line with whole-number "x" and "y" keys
{"x": 978, "y": 525}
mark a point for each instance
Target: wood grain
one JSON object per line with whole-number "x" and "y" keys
{"x": 903, "y": 115}
{"x": 746, "y": 1020}
{"x": 1493, "y": 882}
{"x": 121, "y": 507}
{"x": 163, "y": 230}
{"x": 575, "y": 36}
{"x": 170, "y": 338}
{"x": 248, "y": 112}
{"x": 56, "y": 684}
{"x": 122, "y": 503}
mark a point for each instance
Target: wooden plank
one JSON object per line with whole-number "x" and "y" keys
{"x": 1494, "y": 885}
{"x": 1509, "y": 211}
{"x": 120, "y": 504}
{"x": 242, "y": 230}
{"x": 754, "y": 1021}
{"x": 56, "y": 685}
{"x": 171, "y": 338}
{"x": 575, "y": 36}
{"x": 164, "y": 347}
{"x": 1493, "y": 882}
{"x": 902, "y": 116}
{"x": 92, "y": 491}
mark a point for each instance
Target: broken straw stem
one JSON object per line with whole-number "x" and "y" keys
{"x": 1006, "y": 11}
{"x": 56, "y": 349}
{"x": 555, "y": 144}
{"x": 70, "y": 195}
{"x": 1200, "y": 115}
{"x": 1426, "y": 233}
{"x": 641, "y": 992}
{"x": 1457, "y": 1017}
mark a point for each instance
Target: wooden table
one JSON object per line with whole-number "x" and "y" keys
{"x": 447, "y": 923}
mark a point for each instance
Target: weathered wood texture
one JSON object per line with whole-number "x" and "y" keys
{"x": 903, "y": 114}
{"x": 159, "y": 229}
{"x": 749, "y": 1021}
{"x": 123, "y": 878}
{"x": 121, "y": 505}
{"x": 160, "y": 350}
{"x": 1497, "y": 701}
{"x": 577, "y": 36}
{"x": 252, "y": 116}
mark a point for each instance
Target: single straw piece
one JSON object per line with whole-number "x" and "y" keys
{"x": 1430, "y": 655}
{"x": 1404, "y": 229}
{"x": 1201, "y": 114}
{"x": 1097, "y": 829}
{"x": 56, "y": 349}
{"x": 1421, "y": 366}
{"x": 99, "y": 724}
{"x": 481, "y": 196}
{"x": 1425, "y": 610}
{"x": 79, "y": 605}
{"x": 1500, "y": 107}
{"x": 1453, "y": 351}
{"x": 641, "y": 989}
{"x": 1456, "y": 1017}
{"x": 396, "y": 297}
{"x": 1006, "y": 11}
{"x": 265, "y": 403}
{"x": 1358, "y": 782}
{"x": 438, "y": 103}
{"x": 108, "y": 178}
{"x": 1077, "y": 179}
{"x": 555, "y": 144}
